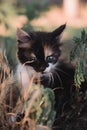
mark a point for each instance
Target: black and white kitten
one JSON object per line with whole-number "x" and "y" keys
{"x": 38, "y": 54}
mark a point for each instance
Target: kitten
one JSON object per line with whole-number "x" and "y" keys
{"x": 39, "y": 55}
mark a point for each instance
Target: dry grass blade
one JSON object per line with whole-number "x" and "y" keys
{"x": 13, "y": 100}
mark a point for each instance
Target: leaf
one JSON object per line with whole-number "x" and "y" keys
{"x": 79, "y": 51}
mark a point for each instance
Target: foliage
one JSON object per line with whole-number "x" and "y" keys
{"x": 12, "y": 102}
{"x": 74, "y": 111}
{"x": 9, "y": 51}
{"x": 32, "y": 9}
{"x": 42, "y": 110}
{"x": 80, "y": 52}
{"x": 8, "y": 41}
{"x": 74, "y": 118}
{"x": 7, "y": 12}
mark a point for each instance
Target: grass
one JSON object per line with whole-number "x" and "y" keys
{"x": 21, "y": 110}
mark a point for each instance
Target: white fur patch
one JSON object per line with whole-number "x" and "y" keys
{"x": 24, "y": 75}
{"x": 49, "y": 68}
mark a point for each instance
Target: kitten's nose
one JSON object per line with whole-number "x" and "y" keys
{"x": 42, "y": 68}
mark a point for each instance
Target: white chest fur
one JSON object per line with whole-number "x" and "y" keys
{"x": 24, "y": 75}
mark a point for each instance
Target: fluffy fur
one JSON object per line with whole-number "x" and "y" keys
{"x": 38, "y": 54}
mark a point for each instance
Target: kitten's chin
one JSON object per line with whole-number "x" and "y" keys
{"x": 25, "y": 74}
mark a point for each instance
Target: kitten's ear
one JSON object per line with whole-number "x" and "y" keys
{"x": 23, "y": 38}
{"x": 56, "y": 33}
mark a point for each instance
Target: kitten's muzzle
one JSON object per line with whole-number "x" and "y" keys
{"x": 42, "y": 68}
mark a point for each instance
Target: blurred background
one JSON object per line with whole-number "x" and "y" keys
{"x": 41, "y": 15}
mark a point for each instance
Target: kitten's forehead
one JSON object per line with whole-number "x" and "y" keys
{"x": 47, "y": 50}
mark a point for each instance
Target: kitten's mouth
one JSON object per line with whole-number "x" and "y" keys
{"x": 39, "y": 77}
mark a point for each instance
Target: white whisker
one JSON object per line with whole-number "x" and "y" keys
{"x": 52, "y": 78}
{"x": 58, "y": 77}
{"x": 62, "y": 71}
{"x": 57, "y": 88}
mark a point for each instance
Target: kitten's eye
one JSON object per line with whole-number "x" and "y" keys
{"x": 32, "y": 59}
{"x": 30, "y": 56}
{"x": 51, "y": 59}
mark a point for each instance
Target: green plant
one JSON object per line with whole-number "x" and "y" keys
{"x": 79, "y": 51}
{"x": 35, "y": 7}
{"x": 9, "y": 51}
{"x": 42, "y": 109}
{"x": 7, "y": 11}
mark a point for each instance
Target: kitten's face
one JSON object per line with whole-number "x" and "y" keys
{"x": 40, "y": 50}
